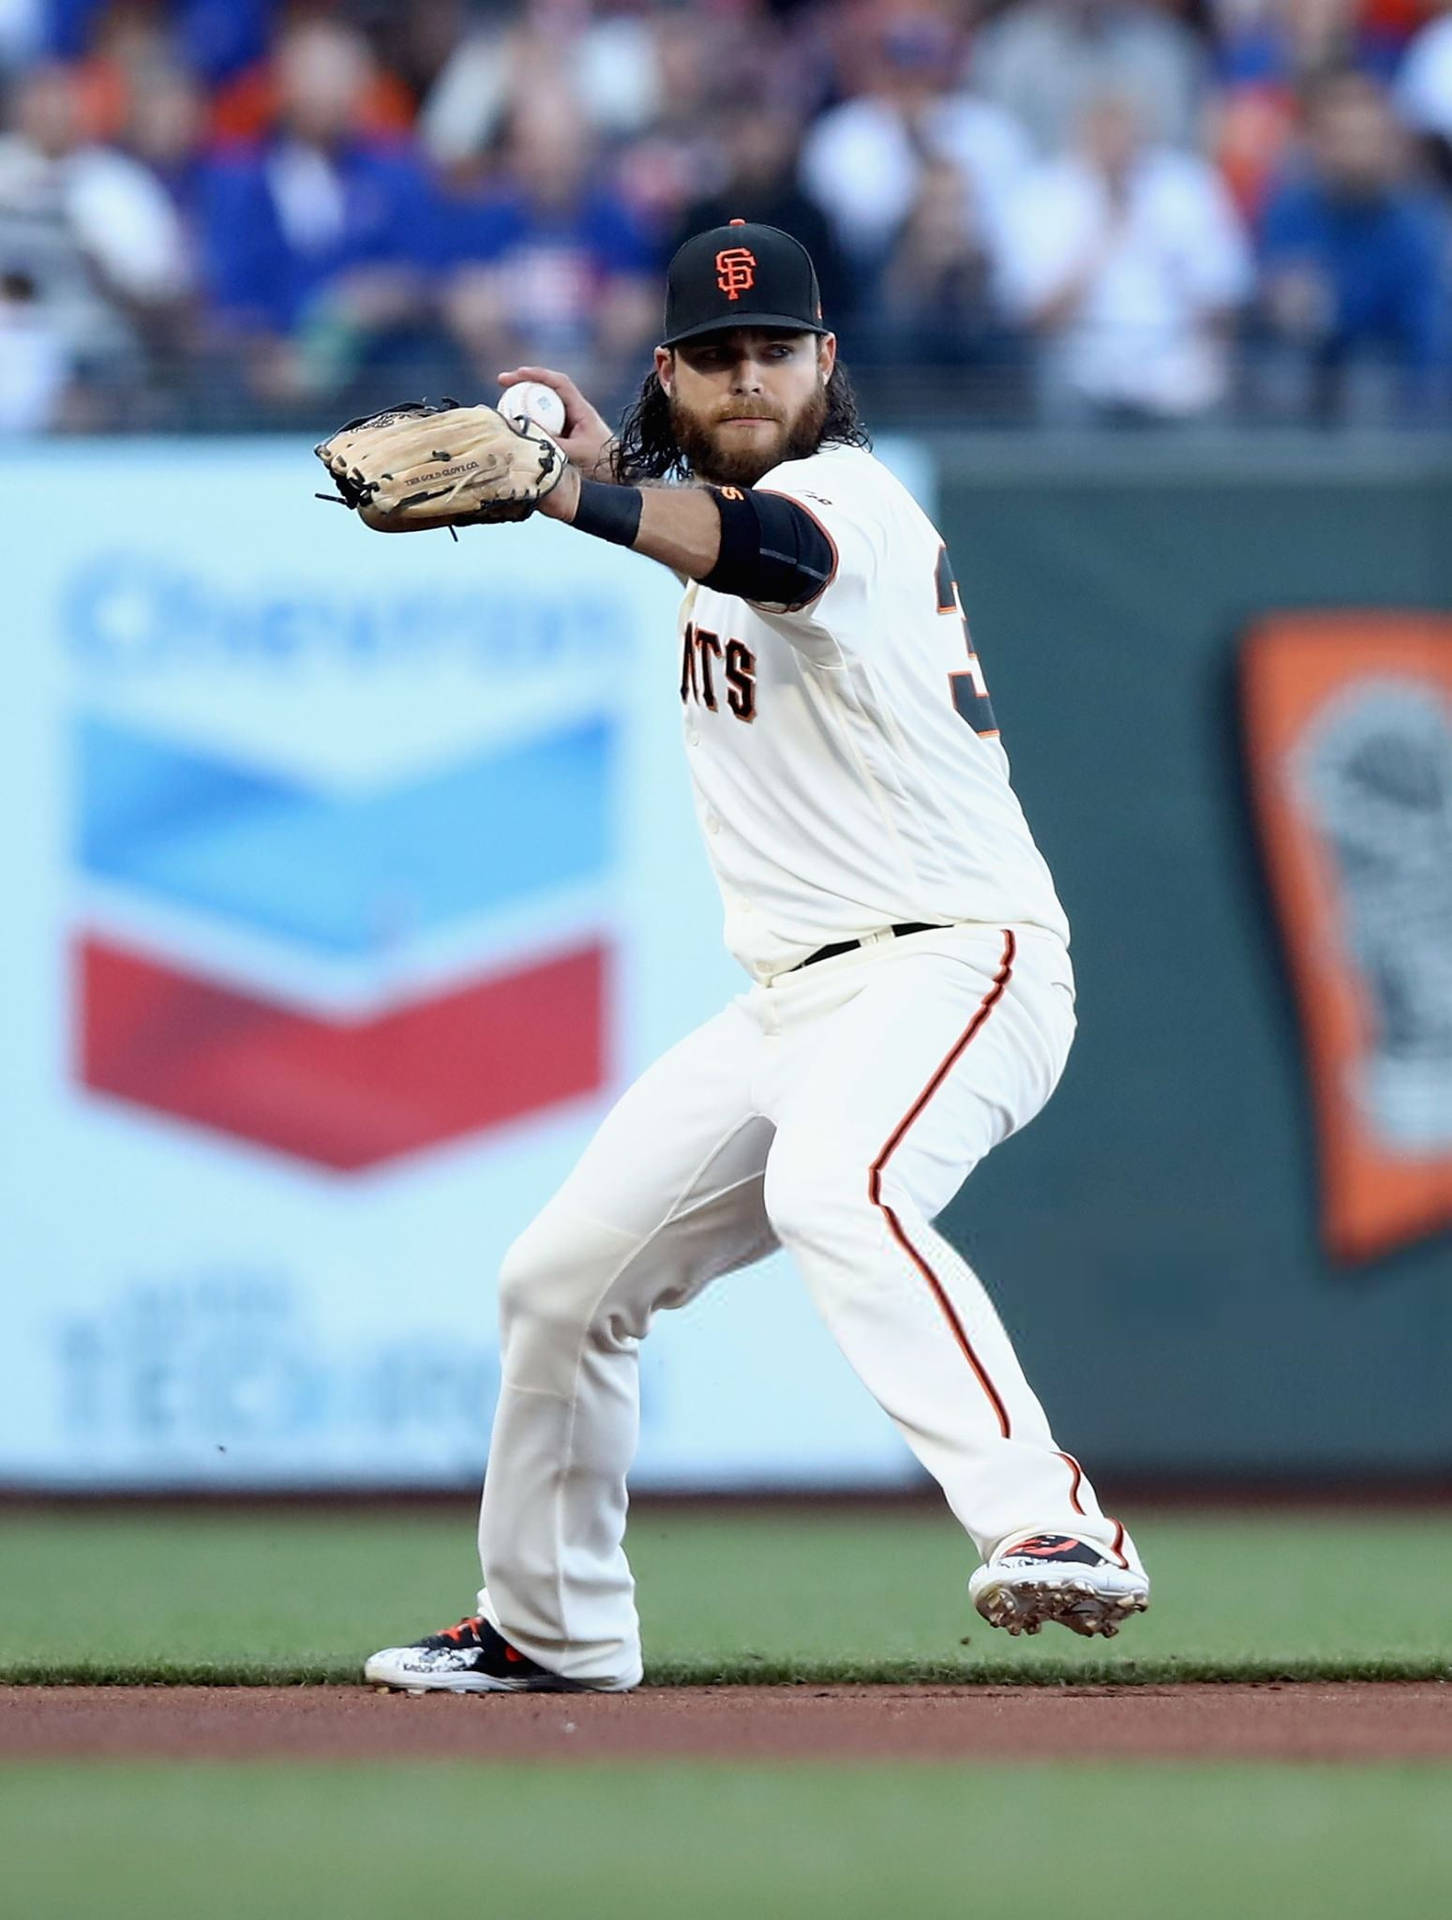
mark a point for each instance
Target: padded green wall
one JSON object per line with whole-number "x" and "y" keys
{"x": 1152, "y": 1239}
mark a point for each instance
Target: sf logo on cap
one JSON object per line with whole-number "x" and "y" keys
{"x": 735, "y": 271}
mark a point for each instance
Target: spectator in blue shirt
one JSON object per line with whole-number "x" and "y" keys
{"x": 542, "y": 262}
{"x": 1352, "y": 256}
{"x": 214, "y": 38}
{"x": 313, "y": 244}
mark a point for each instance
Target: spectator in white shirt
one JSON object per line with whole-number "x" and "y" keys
{"x": 111, "y": 207}
{"x": 1128, "y": 260}
{"x": 1424, "y": 87}
{"x": 863, "y": 161}
{"x": 1043, "y": 62}
{"x": 612, "y": 66}
{"x": 95, "y": 240}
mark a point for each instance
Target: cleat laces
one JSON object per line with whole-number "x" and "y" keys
{"x": 464, "y": 1633}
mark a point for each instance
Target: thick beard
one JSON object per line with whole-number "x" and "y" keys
{"x": 707, "y": 461}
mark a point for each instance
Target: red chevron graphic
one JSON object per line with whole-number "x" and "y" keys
{"x": 342, "y": 1094}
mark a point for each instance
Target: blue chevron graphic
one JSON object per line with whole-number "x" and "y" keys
{"x": 348, "y": 876}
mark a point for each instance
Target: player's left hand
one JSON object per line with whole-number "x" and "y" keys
{"x": 427, "y": 465}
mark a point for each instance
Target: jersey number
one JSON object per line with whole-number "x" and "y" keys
{"x": 968, "y": 687}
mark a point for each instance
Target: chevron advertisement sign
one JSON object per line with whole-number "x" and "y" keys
{"x": 348, "y": 882}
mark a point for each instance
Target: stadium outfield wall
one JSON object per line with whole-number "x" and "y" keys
{"x": 1168, "y": 1241}
{"x": 348, "y": 880}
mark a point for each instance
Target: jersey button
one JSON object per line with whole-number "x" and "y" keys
{"x": 693, "y": 736}
{"x": 713, "y": 823}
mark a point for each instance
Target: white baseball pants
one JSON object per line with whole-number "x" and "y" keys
{"x": 834, "y": 1111}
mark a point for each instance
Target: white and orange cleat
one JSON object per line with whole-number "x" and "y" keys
{"x": 471, "y": 1657}
{"x": 1039, "y": 1577}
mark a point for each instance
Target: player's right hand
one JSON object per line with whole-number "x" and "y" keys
{"x": 587, "y": 436}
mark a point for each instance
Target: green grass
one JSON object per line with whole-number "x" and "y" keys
{"x": 767, "y": 1595}
{"x": 731, "y": 1594}
{"x": 236, "y": 1842}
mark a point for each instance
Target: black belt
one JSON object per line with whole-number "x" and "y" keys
{"x": 846, "y": 946}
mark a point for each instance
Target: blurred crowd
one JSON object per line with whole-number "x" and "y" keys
{"x": 227, "y": 213}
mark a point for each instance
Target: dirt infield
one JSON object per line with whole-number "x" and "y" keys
{"x": 1349, "y": 1722}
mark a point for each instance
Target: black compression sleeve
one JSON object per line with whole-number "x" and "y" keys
{"x": 772, "y": 550}
{"x": 610, "y": 513}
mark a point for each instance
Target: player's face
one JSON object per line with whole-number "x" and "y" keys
{"x": 744, "y": 401}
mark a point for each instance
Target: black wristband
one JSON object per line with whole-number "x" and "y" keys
{"x": 609, "y": 512}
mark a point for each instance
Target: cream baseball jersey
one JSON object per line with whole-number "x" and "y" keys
{"x": 847, "y": 767}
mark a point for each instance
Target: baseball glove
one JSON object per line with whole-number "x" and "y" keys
{"x": 440, "y": 465}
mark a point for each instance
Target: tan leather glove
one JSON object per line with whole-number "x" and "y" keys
{"x": 440, "y": 465}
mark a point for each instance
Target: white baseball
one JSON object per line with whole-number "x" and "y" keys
{"x": 533, "y": 400}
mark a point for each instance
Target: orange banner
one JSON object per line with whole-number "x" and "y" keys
{"x": 1349, "y": 726}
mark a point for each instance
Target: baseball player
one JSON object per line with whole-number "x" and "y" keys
{"x": 910, "y": 1004}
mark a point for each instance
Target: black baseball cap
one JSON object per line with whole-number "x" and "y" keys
{"x": 740, "y": 275}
